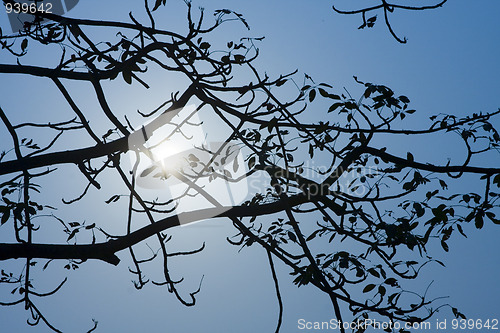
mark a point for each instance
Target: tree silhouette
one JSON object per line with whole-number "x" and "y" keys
{"x": 332, "y": 200}
{"x": 387, "y": 8}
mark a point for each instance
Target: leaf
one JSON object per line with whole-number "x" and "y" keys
{"x": 469, "y": 217}
{"x": 404, "y": 99}
{"x": 280, "y": 83}
{"x": 311, "y": 236}
{"x": 368, "y": 288}
{"x": 311, "y": 150}
{"x": 407, "y": 186}
{"x": 90, "y": 226}
{"x": 127, "y": 76}
{"x": 419, "y": 210}
{"x": 251, "y": 162}
{"x": 496, "y": 180}
{"x": 479, "y": 222}
{"x": 5, "y": 216}
{"x": 391, "y": 281}
{"x": 204, "y": 45}
{"x": 72, "y": 234}
{"x": 458, "y": 314}
{"x": 323, "y": 92}
{"x": 491, "y": 216}
{"x": 334, "y": 106}
{"x": 114, "y": 198}
{"x": 24, "y": 44}
{"x": 409, "y": 157}
{"x": 312, "y": 95}
{"x": 47, "y": 264}
{"x": 445, "y": 246}
{"x": 239, "y": 58}
{"x": 459, "y": 227}
{"x": 158, "y": 3}
{"x": 147, "y": 171}
{"x": 192, "y": 157}
{"x": 373, "y": 272}
{"x": 235, "y": 164}
{"x": 371, "y": 21}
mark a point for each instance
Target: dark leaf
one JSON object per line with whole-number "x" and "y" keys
{"x": 114, "y": 198}
{"x": 409, "y": 157}
{"x": 280, "y": 83}
{"x": 24, "y": 44}
{"x": 158, "y": 3}
{"x": 371, "y": 20}
{"x": 496, "y": 180}
{"x": 374, "y": 272}
{"x": 404, "y": 99}
{"x": 127, "y": 76}
{"x": 323, "y": 92}
{"x": 5, "y": 216}
{"x": 418, "y": 209}
{"x": 334, "y": 106}
{"x": 368, "y": 288}
{"x": 478, "y": 221}
{"x": 72, "y": 234}
{"x": 391, "y": 281}
{"x": 251, "y": 162}
{"x": 204, "y": 45}
{"x": 312, "y": 95}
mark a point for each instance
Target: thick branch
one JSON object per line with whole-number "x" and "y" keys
{"x": 54, "y": 73}
{"x": 430, "y": 167}
{"x": 69, "y": 156}
{"x": 79, "y": 155}
{"x": 106, "y": 251}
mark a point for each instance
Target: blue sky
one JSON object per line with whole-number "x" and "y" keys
{"x": 450, "y": 65}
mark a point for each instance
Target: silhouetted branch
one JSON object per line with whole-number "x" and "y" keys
{"x": 387, "y": 8}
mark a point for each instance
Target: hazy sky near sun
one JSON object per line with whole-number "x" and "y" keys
{"x": 449, "y": 65}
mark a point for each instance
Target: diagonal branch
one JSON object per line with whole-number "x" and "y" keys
{"x": 106, "y": 251}
{"x": 77, "y": 156}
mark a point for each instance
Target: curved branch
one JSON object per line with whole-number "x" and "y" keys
{"x": 106, "y": 251}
